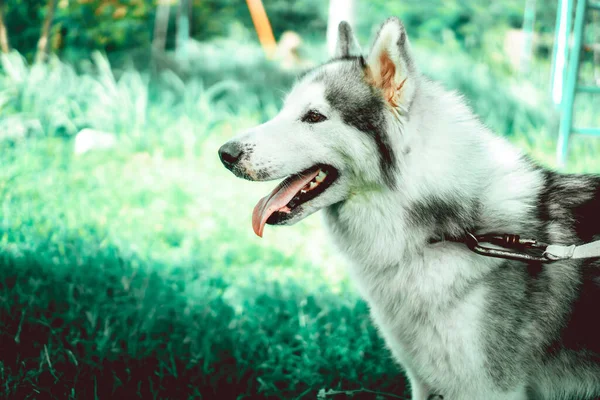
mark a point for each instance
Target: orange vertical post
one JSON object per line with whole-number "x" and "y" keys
{"x": 262, "y": 26}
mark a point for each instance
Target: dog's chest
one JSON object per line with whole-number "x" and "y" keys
{"x": 426, "y": 309}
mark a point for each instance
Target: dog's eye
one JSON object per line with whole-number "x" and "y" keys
{"x": 313, "y": 117}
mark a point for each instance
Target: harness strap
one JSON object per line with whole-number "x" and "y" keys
{"x": 560, "y": 252}
{"x": 513, "y": 247}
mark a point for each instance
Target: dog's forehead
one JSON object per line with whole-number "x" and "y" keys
{"x": 305, "y": 93}
{"x": 315, "y": 85}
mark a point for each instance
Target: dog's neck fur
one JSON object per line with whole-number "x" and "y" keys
{"x": 443, "y": 181}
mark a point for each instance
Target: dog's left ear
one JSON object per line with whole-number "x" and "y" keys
{"x": 346, "y": 45}
{"x": 390, "y": 65}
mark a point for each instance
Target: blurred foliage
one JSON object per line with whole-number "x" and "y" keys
{"x": 58, "y": 100}
{"x": 467, "y": 19}
{"x": 82, "y": 26}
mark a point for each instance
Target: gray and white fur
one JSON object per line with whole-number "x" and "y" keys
{"x": 416, "y": 168}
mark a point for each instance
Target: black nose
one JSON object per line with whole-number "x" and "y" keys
{"x": 230, "y": 153}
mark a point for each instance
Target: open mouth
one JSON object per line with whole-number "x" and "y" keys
{"x": 289, "y": 195}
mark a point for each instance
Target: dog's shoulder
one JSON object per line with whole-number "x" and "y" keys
{"x": 573, "y": 201}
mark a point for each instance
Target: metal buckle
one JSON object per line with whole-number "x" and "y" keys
{"x": 524, "y": 247}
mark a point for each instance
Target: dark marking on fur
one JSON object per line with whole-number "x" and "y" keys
{"x": 587, "y": 213}
{"x": 572, "y": 201}
{"x": 534, "y": 269}
{"x": 582, "y": 330}
{"x": 543, "y": 207}
{"x": 362, "y": 62}
{"x": 387, "y": 161}
{"x": 363, "y": 108}
{"x": 263, "y": 174}
{"x": 448, "y": 218}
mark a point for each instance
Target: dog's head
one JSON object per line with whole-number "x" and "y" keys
{"x": 337, "y": 132}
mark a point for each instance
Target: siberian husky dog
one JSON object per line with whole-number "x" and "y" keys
{"x": 402, "y": 169}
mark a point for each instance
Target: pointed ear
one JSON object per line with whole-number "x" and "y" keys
{"x": 390, "y": 64}
{"x": 346, "y": 45}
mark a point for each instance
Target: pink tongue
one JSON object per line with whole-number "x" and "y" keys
{"x": 277, "y": 200}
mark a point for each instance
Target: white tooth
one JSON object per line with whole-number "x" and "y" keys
{"x": 303, "y": 191}
{"x": 321, "y": 176}
{"x": 313, "y": 185}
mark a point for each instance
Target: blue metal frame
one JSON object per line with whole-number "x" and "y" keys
{"x": 571, "y": 88}
{"x": 560, "y": 53}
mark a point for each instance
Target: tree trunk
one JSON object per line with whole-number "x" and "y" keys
{"x": 339, "y": 10}
{"x": 4, "y": 46}
{"x": 161, "y": 25}
{"x": 42, "y": 47}
{"x": 183, "y": 32}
